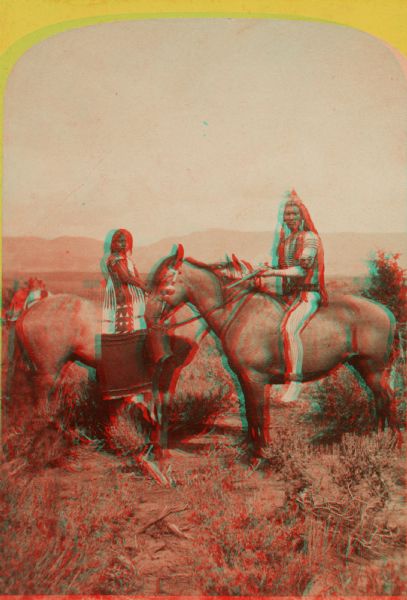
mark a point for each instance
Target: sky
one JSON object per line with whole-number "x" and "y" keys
{"x": 167, "y": 127}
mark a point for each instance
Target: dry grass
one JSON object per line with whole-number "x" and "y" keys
{"x": 64, "y": 532}
{"x": 337, "y": 529}
{"x": 325, "y": 519}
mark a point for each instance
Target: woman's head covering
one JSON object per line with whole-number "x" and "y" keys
{"x": 110, "y": 247}
{"x": 115, "y": 238}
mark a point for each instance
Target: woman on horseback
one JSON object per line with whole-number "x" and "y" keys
{"x": 123, "y": 371}
{"x": 301, "y": 265}
{"x": 124, "y": 303}
{"x": 125, "y": 374}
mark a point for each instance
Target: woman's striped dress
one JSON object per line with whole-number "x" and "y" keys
{"x": 124, "y": 303}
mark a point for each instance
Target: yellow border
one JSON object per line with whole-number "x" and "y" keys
{"x": 385, "y": 19}
{"x": 24, "y": 23}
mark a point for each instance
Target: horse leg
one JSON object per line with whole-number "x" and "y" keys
{"x": 376, "y": 378}
{"x": 129, "y": 435}
{"x": 253, "y": 387}
{"x": 169, "y": 375}
{"x": 47, "y": 378}
{"x": 44, "y": 384}
{"x": 165, "y": 379}
{"x": 162, "y": 399}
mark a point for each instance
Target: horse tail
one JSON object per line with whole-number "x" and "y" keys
{"x": 25, "y": 351}
{"x": 397, "y": 361}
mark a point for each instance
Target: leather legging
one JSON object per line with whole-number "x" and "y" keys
{"x": 297, "y": 317}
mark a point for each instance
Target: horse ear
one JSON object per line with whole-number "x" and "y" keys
{"x": 177, "y": 255}
{"x": 180, "y": 254}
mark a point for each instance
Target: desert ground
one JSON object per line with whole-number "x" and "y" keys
{"x": 322, "y": 514}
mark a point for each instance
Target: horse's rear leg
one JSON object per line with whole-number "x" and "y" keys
{"x": 45, "y": 397}
{"x": 257, "y": 410}
{"x": 376, "y": 378}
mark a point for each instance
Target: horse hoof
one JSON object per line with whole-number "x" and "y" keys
{"x": 258, "y": 463}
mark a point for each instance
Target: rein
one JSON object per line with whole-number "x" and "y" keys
{"x": 160, "y": 325}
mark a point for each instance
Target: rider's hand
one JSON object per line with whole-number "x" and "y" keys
{"x": 306, "y": 262}
{"x": 265, "y": 267}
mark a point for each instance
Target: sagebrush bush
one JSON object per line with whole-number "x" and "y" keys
{"x": 203, "y": 392}
{"x": 340, "y": 506}
{"x": 340, "y": 404}
{"x": 386, "y": 284}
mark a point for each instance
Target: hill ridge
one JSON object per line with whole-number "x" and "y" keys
{"x": 345, "y": 252}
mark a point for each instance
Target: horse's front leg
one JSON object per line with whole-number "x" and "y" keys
{"x": 159, "y": 434}
{"x": 165, "y": 377}
{"x": 130, "y": 435}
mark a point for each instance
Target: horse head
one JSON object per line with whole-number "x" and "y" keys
{"x": 165, "y": 281}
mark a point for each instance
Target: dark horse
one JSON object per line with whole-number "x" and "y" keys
{"x": 350, "y": 330}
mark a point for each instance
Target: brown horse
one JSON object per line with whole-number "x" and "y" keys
{"x": 64, "y": 328}
{"x": 349, "y": 330}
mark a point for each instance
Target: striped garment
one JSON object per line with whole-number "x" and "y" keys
{"x": 309, "y": 250}
{"x": 310, "y": 246}
{"x": 127, "y": 316}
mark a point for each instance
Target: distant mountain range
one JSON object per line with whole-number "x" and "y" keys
{"x": 345, "y": 253}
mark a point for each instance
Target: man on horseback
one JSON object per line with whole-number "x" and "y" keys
{"x": 301, "y": 265}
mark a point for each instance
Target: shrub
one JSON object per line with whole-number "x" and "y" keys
{"x": 203, "y": 392}
{"x": 339, "y": 405}
{"x": 386, "y": 284}
{"x": 341, "y": 507}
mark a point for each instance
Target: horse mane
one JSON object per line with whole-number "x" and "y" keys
{"x": 214, "y": 270}
{"x": 252, "y": 288}
{"x": 211, "y": 267}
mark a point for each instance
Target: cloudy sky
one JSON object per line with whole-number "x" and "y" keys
{"x": 173, "y": 126}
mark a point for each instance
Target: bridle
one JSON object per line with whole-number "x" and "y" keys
{"x": 167, "y": 310}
